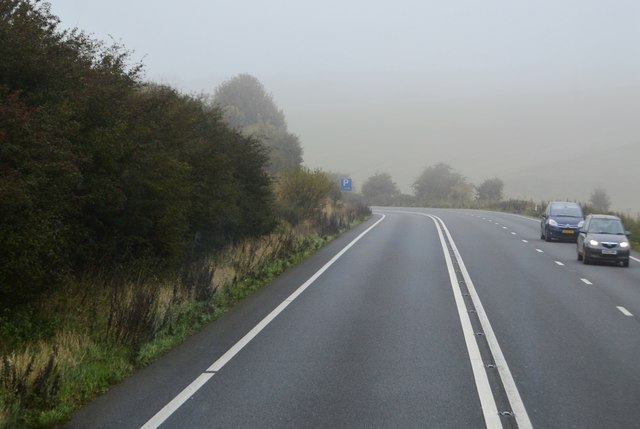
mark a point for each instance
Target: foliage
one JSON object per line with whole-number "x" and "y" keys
{"x": 98, "y": 167}
{"x": 380, "y": 190}
{"x": 302, "y": 193}
{"x": 490, "y": 190}
{"x": 245, "y": 102}
{"x": 440, "y": 186}
{"x": 599, "y": 200}
{"x": 247, "y": 107}
{"x": 283, "y": 148}
{"x": 152, "y": 189}
{"x": 131, "y": 321}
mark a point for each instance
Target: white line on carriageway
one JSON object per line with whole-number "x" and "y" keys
{"x": 489, "y": 408}
{"x": 200, "y": 381}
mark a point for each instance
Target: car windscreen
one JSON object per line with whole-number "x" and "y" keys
{"x": 568, "y": 211}
{"x": 606, "y": 226}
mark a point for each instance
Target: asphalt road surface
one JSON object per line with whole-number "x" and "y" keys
{"x": 417, "y": 318}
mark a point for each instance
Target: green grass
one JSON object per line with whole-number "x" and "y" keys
{"x": 89, "y": 359}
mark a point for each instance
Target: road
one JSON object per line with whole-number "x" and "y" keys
{"x": 430, "y": 318}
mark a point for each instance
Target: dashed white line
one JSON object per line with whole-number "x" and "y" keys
{"x": 525, "y": 241}
{"x": 504, "y": 227}
{"x": 624, "y": 311}
{"x": 587, "y": 282}
{"x": 513, "y": 233}
{"x": 559, "y": 263}
{"x": 539, "y": 251}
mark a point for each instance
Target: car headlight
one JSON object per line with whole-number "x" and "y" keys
{"x": 553, "y": 222}
{"x": 593, "y": 242}
{"x": 624, "y": 244}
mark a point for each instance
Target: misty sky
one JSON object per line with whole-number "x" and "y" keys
{"x": 543, "y": 94}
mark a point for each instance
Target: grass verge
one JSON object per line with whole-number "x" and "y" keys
{"x": 64, "y": 352}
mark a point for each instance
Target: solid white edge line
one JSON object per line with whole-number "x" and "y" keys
{"x": 487, "y": 402}
{"x": 635, "y": 259}
{"x": 177, "y": 402}
{"x": 517, "y": 405}
{"x": 624, "y": 311}
{"x": 195, "y": 385}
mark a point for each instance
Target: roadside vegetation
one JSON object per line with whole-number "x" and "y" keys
{"x": 440, "y": 185}
{"x": 131, "y": 214}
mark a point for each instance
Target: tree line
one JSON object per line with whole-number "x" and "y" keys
{"x": 440, "y": 185}
{"x": 99, "y": 168}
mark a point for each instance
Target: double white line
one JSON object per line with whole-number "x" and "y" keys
{"x": 487, "y": 401}
{"x": 489, "y": 408}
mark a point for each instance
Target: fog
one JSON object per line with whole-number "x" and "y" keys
{"x": 542, "y": 94}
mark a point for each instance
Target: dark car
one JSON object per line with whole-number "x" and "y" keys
{"x": 560, "y": 220}
{"x": 603, "y": 238}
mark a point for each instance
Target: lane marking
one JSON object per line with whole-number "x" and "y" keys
{"x": 489, "y": 409}
{"x": 624, "y": 311}
{"x": 162, "y": 415}
{"x": 635, "y": 259}
{"x": 513, "y": 233}
{"x": 559, "y": 263}
{"x": 525, "y": 241}
{"x": 539, "y": 251}
{"x": 487, "y": 401}
{"x": 585, "y": 281}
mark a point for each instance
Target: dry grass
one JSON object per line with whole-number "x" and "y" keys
{"x": 98, "y": 314}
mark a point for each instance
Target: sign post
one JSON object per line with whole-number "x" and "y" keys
{"x": 346, "y": 184}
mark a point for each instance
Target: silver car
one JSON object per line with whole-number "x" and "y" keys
{"x": 603, "y": 238}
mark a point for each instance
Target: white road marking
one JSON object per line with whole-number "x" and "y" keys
{"x": 504, "y": 227}
{"x": 525, "y": 241}
{"x": 635, "y": 259}
{"x": 559, "y": 263}
{"x": 513, "y": 233}
{"x": 492, "y": 419}
{"x": 585, "y": 281}
{"x": 177, "y": 402}
{"x": 539, "y": 251}
{"x": 624, "y": 311}
{"x": 192, "y": 388}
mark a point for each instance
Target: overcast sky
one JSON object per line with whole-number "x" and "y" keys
{"x": 543, "y": 94}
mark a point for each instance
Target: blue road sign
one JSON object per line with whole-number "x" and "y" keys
{"x": 346, "y": 184}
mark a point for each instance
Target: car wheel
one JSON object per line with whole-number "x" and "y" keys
{"x": 579, "y": 254}
{"x": 547, "y": 236}
{"x": 585, "y": 258}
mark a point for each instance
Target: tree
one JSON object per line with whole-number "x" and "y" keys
{"x": 600, "y": 200}
{"x": 245, "y": 102}
{"x": 99, "y": 169}
{"x": 440, "y": 185}
{"x": 380, "y": 190}
{"x": 490, "y": 190}
{"x": 247, "y": 106}
{"x": 283, "y": 148}
{"x": 302, "y": 193}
